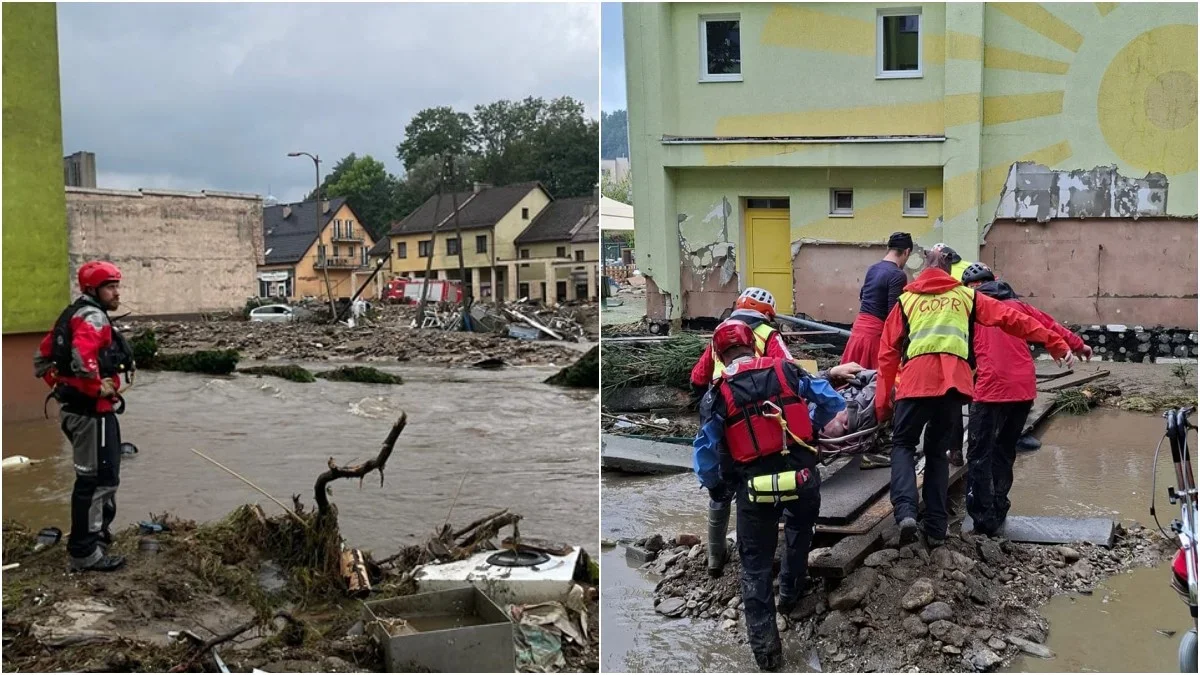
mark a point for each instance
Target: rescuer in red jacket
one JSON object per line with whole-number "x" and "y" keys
{"x": 1005, "y": 387}
{"x": 927, "y": 338}
{"x": 87, "y": 363}
{"x": 755, "y": 307}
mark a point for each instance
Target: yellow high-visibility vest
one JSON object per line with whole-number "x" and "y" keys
{"x": 938, "y": 324}
{"x": 957, "y": 269}
{"x": 761, "y": 335}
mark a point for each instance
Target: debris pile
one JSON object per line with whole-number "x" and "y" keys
{"x": 320, "y": 342}
{"x": 666, "y": 362}
{"x": 250, "y": 591}
{"x": 971, "y": 605}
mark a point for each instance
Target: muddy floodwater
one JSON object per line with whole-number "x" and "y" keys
{"x": 1095, "y": 465}
{"x": 520, "y": 444}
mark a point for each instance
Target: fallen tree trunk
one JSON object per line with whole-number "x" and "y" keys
{"x": 376, "y": 463}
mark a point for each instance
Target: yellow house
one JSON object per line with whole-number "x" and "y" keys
{"x": 489, "y": 218}
{"x": 302, "y": 247}
{"x": 562, "y": 247}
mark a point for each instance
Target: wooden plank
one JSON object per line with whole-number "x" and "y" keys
{"x": 846, "y": 493}
{"x": 1042, "y": 406}
{"x": 1055, "y": 530}
{"x": 632, "y": 455}
{"x": 1049, "y": 371}
{"x": 1074, "y": 380}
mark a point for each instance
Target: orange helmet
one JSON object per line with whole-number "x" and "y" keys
{"x": 96, "y": 273}
{"x": 757, "y": 299}
{"x": 731, "y": 334}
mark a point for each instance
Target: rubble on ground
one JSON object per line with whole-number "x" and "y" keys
{"x": 971, "y": 605}
{"x": 317, "y": 342}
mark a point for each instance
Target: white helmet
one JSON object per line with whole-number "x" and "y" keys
{"x": 758, "y": 299}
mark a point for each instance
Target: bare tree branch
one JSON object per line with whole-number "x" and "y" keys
{"x": 359, "y": 470}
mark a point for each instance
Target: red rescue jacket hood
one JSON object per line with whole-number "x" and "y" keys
{"x": 932, "y": 281}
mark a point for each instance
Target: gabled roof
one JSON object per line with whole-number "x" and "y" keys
{"x": 561, "y": 220}
{"x": 589, "y": 231}
{"x": 289, "y": 230}
{"x": 380, "y": 248}
{"x": 475, "y": 209}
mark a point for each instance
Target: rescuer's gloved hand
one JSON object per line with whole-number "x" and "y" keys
{"x": 108, "y": 388}
{"x": 721, "y": 493}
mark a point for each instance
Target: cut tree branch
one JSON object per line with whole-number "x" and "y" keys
{"x": 359, "y": 470}
{"x": 206, "y": 648}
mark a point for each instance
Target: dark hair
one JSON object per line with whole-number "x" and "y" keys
{"x": 900, "y": 241}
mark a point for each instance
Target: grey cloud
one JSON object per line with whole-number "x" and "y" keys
{"x": 213, "y": 96}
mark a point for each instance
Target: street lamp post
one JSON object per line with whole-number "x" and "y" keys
{"x": 317, "y": 209}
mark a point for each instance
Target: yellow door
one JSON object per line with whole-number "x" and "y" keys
{"x": 769, "y": 254}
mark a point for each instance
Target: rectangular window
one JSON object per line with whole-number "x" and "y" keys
{"x": 721, "y": 48}
{"x": 524, "y": 255}
{"x": 524, "y": 214}
{"x": 767, "y": 203}
{"x": 402, "y": 250}
{"x": 561, "y": 252}
{"x": 898, "y": 43}
{"x": 841, "y": 202}
{"x": 424, "y": 248}
{"x": 321, "y": 253}
{"x": 364, "y": 251}
{"x": 452, "y": 246}
{"x": 337, "y": 229}
{"x": 349, "y": 229}
{"x": 914, "y": 203}
{"x": 481, "y": 243}
{"x": 523, "y": 290}
{"x": 579, "y": 255}
{"x": 336, "y": 251}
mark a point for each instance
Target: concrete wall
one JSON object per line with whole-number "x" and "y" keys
{"x": 179, "y": 252}
{"x": 1066, "y": 87}
{"x": 1101, "y": 271}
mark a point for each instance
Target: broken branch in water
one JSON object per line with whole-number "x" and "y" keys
{"x": 359, "y": 470}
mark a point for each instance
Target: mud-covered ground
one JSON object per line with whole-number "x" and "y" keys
{"x": 971, "y": 605}
{"x": 209, "y": 580}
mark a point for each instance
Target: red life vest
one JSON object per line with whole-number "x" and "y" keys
{"x": 749, "y": 433}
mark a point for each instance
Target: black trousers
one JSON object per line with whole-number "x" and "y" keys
{"x": 938, "y": 417}
{"x": 96, "y": 441}
{"x": 757, "y": 537}
{"x": 992, "y": 439}
{"x": 955, "y": 435}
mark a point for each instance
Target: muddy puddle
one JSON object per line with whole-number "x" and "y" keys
{"x": 519, "y": 443}
{"x": 1097, "y": 465}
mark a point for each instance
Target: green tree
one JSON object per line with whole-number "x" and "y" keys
{"x": 369, "y": 188}
{"x": 436, "y": 131}
{"x": 339, "y": 170}
{"x": 566, "y": 149}
{"x": 423, "y": 179}
{"x": 614, "y": 134}
{"x": 620, "y": 190}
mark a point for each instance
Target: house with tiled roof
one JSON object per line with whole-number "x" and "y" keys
{"x": 305, "y": 249}
{"x": 562, "y": 246}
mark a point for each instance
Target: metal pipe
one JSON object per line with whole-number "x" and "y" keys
{"x": 812, "y": 324}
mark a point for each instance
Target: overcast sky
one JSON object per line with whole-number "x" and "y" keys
{"x": 612, "y": 58}
{"x": 214, "y": 96}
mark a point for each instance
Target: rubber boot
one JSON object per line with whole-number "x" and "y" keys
{"x": 1028, "y": 443}
{"x": 718, "y": 528}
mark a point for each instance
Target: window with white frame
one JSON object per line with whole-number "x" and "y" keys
{"x": 721, "y": 48}
{"x": 914, "y": 202}
{"x": 898, "y": 43}
{"x": 841, "y": 202}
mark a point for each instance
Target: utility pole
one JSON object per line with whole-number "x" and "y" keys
{"x": 429, "y": 263}
{"x": 462, "y": 270}
{"x": 325, "y": 265}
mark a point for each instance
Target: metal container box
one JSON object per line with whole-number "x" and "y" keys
{"x": 457, "y": 630}
{"x": 523, "y": 332}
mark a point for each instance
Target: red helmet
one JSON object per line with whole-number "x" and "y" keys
{"x": 96, "y": 273}
{"x": 731, "y": 334}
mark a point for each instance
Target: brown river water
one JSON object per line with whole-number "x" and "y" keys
{"x": 520, "y": 444}
{"x": 1095, "y": 465}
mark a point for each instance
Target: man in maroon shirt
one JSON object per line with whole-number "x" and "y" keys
{"x": 882, "y": 285}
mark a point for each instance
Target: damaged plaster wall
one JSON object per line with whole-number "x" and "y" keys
{"x": 1034, "y": 191}
{"x": 708, "y": 261}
